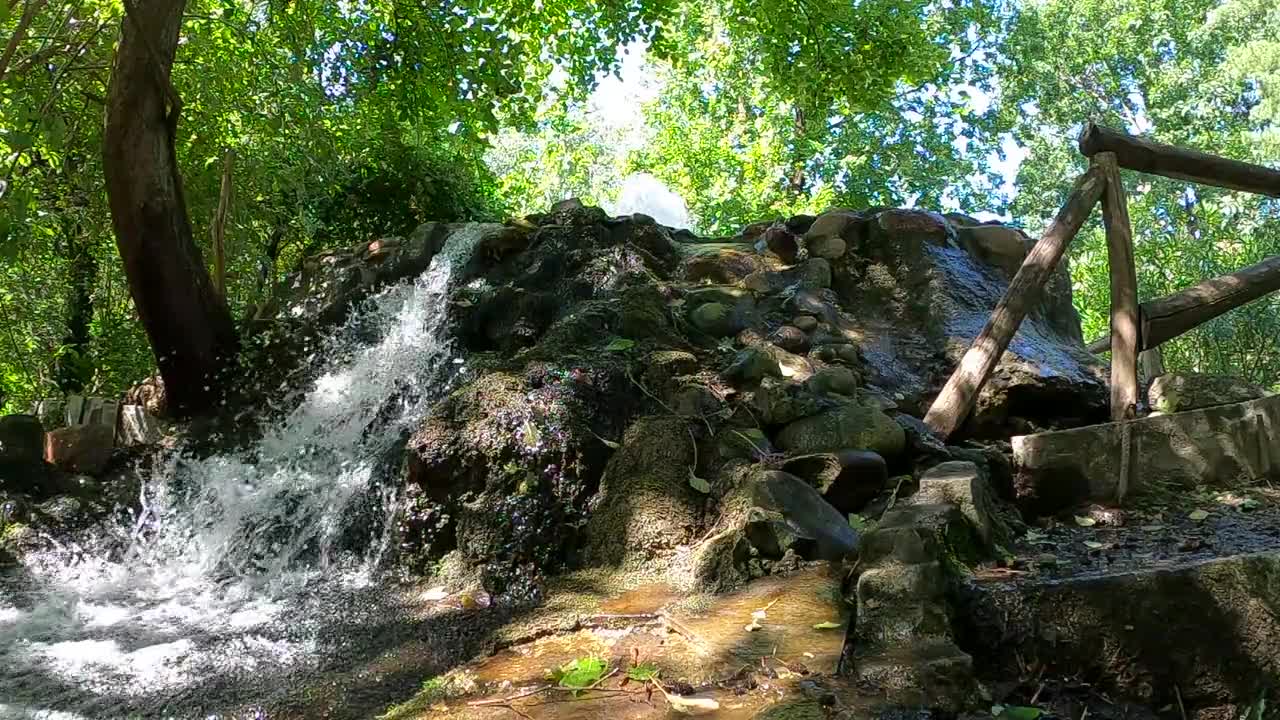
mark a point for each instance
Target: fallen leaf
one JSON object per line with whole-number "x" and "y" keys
{"x": 1092, "y": 545}
{"x": 436, "y": 593}
{"x": 1198, "y": 515}
{"x": 1019, "y": 712}
{"x": 1085, "y": 521}
{"x": 754, "y": 626}
{"x": 692, "y": 705}
{"x": 758, "y": 615}
{"x": 699, "y": 484}
{"x": 826, "y": 625}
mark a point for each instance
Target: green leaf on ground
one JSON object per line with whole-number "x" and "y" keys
{"x": 1198, "y": 515}
{"x": 580, "y": 673}
{"x": 620, "y": 345}
{"x": 643, "y": 672}
{"x": 1085, "y": 521}
{"x": 1016, "y": 712}
{"x": 828, "y": 625}
{"x": 699, "y": 484}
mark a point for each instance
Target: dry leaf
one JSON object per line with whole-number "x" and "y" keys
{"x": 692, "y": 705}
{"x": 1085, "y": 521}
{"x": 1198, "y": 515}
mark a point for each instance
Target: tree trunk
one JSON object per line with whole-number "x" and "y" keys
{"x": 187, "y": 322}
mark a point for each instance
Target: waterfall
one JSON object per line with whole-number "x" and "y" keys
{"x": 237, "y": 559}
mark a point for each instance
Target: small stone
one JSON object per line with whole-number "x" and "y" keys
{"x": 834, "y": 380}
{"x": 1046, "y": 560}
{"x": 815, "y": 273}
{"x": 805, "y": 322}
{"x": 790, "y": 338}
{"x": 714, "y": 319}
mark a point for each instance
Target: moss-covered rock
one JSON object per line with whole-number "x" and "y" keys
{"x": 646, "y": 505}
{"x": 851, "y": 424}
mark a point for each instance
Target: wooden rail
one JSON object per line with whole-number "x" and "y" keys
{"x": 1134, "y": 328}
{"x": 1179, "y": 163}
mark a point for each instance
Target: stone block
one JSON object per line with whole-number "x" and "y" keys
{"x": 1224, "y": 446}
{"x": 80, "y": 448}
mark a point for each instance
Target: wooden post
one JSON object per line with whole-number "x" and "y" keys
{"x": 1124, "y": 292}
{"x": 1181, "y": 164}
{"x": 956, "y": 400}
{"x": 1168, "y": 317}
{"x": 220, "y": 225}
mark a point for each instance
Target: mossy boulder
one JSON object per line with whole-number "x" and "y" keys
{"x": 646, "y": 505}
{"x": 851, "y": 424}
{"x": 1179, "y": 392}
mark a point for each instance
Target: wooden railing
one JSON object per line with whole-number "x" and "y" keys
{"x": 1134, "y": 327}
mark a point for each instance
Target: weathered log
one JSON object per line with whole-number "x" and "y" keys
{"x": 956, "y": 400}
{"x": 1179, "y": 163}
{"x": 1168, "y": 317}
{"x": 1124, "y": 292}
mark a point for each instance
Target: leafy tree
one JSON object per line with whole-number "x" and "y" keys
{"x": 1189, "y": 73}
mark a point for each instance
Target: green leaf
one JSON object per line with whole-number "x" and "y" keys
{"x": 1085, "y": 521}
{"x": 643, "y": 672}
{"x": 1017, "y": 712}
{"x": 699, "y": 484}
{"x": 619, "y": 345}
{"x": 827, "y": 625}
{"x": 580, "y": 673}
{"x": 1198, "y": 515}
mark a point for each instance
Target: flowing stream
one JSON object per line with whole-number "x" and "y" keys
{"x": 234, "y": 583}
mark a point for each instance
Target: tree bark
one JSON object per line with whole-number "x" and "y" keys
{"x": 956, "y": 399}
{"x": 1124, "y": 292}
{"x": 187, "y": 322}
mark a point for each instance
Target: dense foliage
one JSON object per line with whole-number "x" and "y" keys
{"x": 345, "y": 121}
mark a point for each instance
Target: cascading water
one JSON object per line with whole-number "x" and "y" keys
{"x": 239, "y": 565}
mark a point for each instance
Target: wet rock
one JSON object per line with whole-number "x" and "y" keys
{"x": 806, "y": 323}
{"x": 832, "y": 232}
{"x": 812, "y": 274}
{"x": 645, "y": 505}
{"x": 80, "y": 448}
{"x": 851, "y": 424}
{"x": 834, "y": 381}
{"x": 1179, "y": 392}
{"x": 790, "y": 515}
{"x": 790, "y": 338}
{"x": 791, "y": 365}
{"x": 914, "y": 298}
{"x": 960, "y": 483}
{"x": 750, "y": 366}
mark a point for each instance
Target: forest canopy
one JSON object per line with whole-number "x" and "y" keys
{"x": 334, "y": 123}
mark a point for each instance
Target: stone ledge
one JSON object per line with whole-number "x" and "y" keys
{"x": 1210, "y": 629}
{"x": 1224, "y": 446}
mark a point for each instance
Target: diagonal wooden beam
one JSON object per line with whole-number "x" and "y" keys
{"x": 956, "y": 400}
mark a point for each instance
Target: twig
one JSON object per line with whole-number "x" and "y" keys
{"x": 1036, "y": 695}
{"x": 506, "y": 700}
{"x": 1178, "y": 694}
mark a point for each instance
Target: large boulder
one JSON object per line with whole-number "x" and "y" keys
{"x": 80, "y": 448}
{"x": 1178, "y": 392}
{"x": 914, "y": 291}
{"x": 790, "y": 515}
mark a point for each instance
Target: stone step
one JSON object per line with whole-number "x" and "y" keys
{"x": 932, "y": 672}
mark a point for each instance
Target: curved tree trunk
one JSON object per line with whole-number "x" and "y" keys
{"x": 187, "y": 322}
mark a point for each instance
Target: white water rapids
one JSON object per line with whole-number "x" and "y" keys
{"x": 237, "y": 571}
